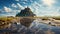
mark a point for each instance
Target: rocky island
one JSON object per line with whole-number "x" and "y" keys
{"x": 26, "y": 13}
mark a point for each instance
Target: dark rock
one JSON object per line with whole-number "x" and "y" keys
{"x": 25, "y": 13}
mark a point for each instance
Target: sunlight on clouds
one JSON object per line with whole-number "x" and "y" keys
{"x": 48, "y": 2}
{"x": 40, "y": 10}
{"x": 7, "y": 9}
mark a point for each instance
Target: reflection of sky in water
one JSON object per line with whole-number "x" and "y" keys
{"x": 35, "y": 28}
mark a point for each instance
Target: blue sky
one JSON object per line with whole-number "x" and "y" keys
{"x": 39, "y": 7}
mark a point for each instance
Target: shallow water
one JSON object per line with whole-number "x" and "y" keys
{"x": 35, "y": 28}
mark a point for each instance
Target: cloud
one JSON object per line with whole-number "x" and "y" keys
{"x": 20, "y": 6}
{"x": 48, "y": 2}
{"x": 41, "y": 10}
{"x": 7, "y": 9}
{"x": 24, "y": 3}
{"x": 16, "y": 0}
{"x": 31, "y": 0}
{"x": 25, "y": 0}
{"x": 13, "y": 5}
{"x": 52, "y": 13}
{"x": 35, "y": 7}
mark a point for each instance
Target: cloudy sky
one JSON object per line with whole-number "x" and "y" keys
{"x": 39, "y": 7}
